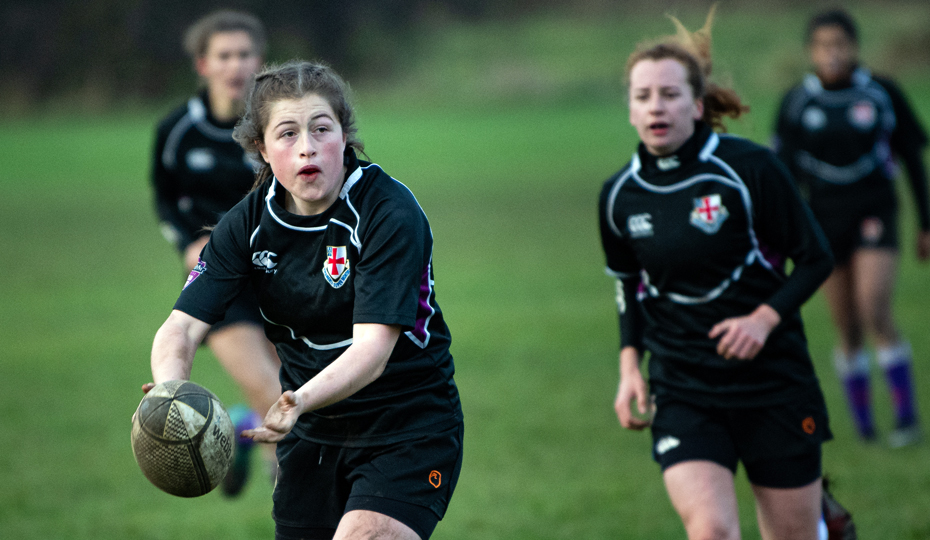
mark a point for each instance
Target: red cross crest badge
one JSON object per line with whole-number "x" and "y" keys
{"x": 336, "y": 266}
{"x": 709, "y": 213}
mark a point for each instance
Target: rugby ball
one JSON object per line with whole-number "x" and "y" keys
{"x": 182, "y": 438}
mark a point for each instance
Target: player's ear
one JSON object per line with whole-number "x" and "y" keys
{"x": 698, "y": 109}
{"x": 261, "y": 149}
{"x": 201, "y": 66}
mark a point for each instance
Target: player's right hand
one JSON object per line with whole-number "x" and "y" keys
{"x": 279, "y": 421}
{"x": 633, "y": 388}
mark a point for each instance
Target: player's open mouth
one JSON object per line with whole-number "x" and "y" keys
{"x": 659, "y": 128}
{"x": 309, "y": 170}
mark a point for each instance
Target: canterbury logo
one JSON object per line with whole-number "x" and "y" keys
{"x": 435, "y": 479}
{"x": 640, "y": 225}
{"x": 262, "y": 259}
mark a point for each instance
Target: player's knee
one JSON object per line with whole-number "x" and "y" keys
{"x": 711, "y": 528}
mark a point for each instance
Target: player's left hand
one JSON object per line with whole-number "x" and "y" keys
{"x": 743, "y": 337}
{"x": 279, "y": 421}
{"x": 923, "y": 245}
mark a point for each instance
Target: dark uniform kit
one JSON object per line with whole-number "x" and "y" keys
{"x": 395, "y": 446}
{"x": 199, "y": 172}
{"x": 697, "y": 237}
{"x": 839, "y": 142}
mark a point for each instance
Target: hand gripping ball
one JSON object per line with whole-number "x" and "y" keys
{"x": 182, "y": 438}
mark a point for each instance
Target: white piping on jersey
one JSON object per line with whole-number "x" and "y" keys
{"x": 612, "y": 197}
{"x": 196, "y": 115}
{"x": 733, "y": 180}
{"x": 429, "y": 267}
{"x": 271, "y": 193}
{"x": 862, "y": 84}
{"x": 354, "y": 238}
{"x": 254, "y": 234}
{"x": 312, "y": 345}
{"x": 432, "y": 310}
{"x": 847, "y": 174}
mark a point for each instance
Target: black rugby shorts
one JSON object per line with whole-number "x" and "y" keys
{"x": 410, "y": 481}
{"x": 847, "y": 232}
{"x": 779, "y": 445}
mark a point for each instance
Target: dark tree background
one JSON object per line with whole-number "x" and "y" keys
{"x": 97, "y": 51}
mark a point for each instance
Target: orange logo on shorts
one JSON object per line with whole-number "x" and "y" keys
{"x": 808, "y": 425}
{"x": 435, "y": 479}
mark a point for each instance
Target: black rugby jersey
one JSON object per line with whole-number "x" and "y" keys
{"x": 198, "y": 171}
{"x": 700, "y": 236}
{"x": 840, "y": 143}
{"x": 366, "y": 259}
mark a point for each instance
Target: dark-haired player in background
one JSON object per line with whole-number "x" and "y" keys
{"x": 198, "y": 173}
{"x": 697, "y": 228}
{"x": 839, "y": 132}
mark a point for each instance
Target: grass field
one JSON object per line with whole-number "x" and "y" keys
{"x": 508, "y": 170}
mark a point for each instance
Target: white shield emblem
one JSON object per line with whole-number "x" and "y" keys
{"x": 336, "y": 266}
{"x": 709, "y": 213}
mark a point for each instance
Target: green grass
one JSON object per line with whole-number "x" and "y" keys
{"x": 509, "y": 179}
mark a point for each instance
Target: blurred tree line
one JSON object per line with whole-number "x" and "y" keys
{"x": 90, "y": 54}
{"x": 94, "y": 52}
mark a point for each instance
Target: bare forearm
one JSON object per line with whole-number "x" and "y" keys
{"x": 174, "y": 347}
{"x": 360, "y": 365}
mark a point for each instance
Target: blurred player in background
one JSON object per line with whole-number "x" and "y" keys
{"x": 839, "y": 132}
{"x": 369, "y": 429}
{"x": 697, "y": 229}
{"x": 198, "y": 173}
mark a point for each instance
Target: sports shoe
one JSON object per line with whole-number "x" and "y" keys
{"x": 837, "y": 519}
{"x": 242, "y": 418}
{"x": 905, "y": 436}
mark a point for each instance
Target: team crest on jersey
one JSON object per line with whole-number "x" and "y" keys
{"x": 709, "y": 213}
{"x": 862, "y": 115}
{"x": 336, "y": 266}
{"x": 195, "y": 273}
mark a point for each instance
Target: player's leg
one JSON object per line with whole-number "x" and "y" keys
{"x": 702, "y": 493}
{"x": 789, "y": 513}
{"x": 401, "y": 490}
{"x": 695, "y": 448}
{"x": 249, "y": 358}
{"x": 311, "y": 491}
{"x": 875, "y": 279}
{"x": 850, "y": 358}
{"x": 368, "y": 525}
{"x": 780, "y": 446}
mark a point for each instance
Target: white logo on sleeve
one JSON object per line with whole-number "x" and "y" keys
{"x": 667, "y": 443}
{"x": 639, "y": 225}
{"x": 262, "y": 259}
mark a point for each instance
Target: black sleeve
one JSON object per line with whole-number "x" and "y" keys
{"x": 223, "y": 270}
{"x": 784, "y": 223}
{"x": 908, "y": 141}
{"x": 166, "y": 194}
{"x": 623, "y": 265}
{"x": 393, "y": 262}
{"x": 784, "y": 141}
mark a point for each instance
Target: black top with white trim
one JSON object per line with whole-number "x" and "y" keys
{"x": 198, "y": 171}
{"x": 840, "y": 141}
{"x": 366, "y": 259}
{"x": 703, "y": 235}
